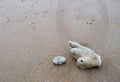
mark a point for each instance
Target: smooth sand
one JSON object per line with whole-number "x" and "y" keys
{"x": 33, "y": 32}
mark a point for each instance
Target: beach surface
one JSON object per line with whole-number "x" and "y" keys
{"x": 33, "y": 32}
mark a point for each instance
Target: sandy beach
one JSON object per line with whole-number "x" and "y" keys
{"x": 33, "y": 32}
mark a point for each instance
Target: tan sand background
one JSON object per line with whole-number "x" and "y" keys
{"x": 33, "y": 32}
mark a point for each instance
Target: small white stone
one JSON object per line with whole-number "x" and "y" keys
{"x": 59, "y": 60}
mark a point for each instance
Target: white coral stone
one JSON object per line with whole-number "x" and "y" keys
{"x": 59, "y": 60}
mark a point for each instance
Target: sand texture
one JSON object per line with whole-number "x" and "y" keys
{"x": 33, "y": 32}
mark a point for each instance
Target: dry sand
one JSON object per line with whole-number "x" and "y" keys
{"x": 33, "y": 32}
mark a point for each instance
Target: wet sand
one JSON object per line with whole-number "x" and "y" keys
{"x": 33, "y": 32}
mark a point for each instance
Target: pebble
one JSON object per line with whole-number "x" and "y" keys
{"x": 59, "y": 60}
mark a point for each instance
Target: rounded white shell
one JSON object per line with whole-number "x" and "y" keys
{"x": 59, "y": 60}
